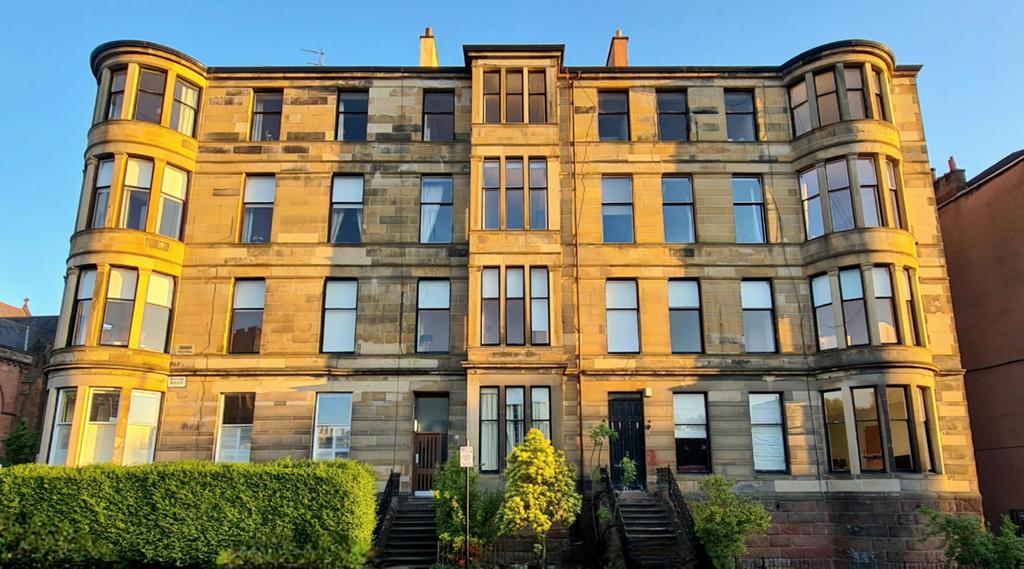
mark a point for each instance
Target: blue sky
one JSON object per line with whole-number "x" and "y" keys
{"x": 970, "y": 87}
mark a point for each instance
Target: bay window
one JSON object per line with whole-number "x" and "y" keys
{"x": 156, "y": 314}
{"x": 115, "y": 97}
{"x": 81, "y": 308}
{"x": 149, "y": 102}
{"x": 138, "y": 180}
{"x": 898, "y": 405}
{"x": 835, "y": 431}
{"x": 855, "y": 316}
{"x": 101, "y": 193}
{"x": 885, "y": 305}
{"x": 185, "y": 107}
{"x": 173, "y": 189}
{"x": 140, "y": 434}
{"x": 814, "y": 222}
{"x": 60, "y": 437}
{"x": 869, "y": 204}
{"x": 98, "y": 437}
{"x": 120, "y": 306}
{"x": 869, "y": 431}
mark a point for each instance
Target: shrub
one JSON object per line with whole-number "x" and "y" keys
{"x": 541, "y": 490}
{"x": 629, "y": 473}
{"x": 450, "y": 504}
{"x": 20, "y": 446}
{"x": 724, "y": 520}
{"x": 192, "y": 513}
{"x": 970, "y": 544}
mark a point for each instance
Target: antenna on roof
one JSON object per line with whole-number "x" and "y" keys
{"x": 319, "y": 52}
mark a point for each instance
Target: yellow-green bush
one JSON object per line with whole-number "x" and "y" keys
{"x": 187, "y": 514}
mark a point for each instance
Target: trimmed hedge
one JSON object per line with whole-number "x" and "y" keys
{"x": 285, "y": 513}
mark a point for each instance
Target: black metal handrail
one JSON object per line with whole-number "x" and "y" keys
{"x": 606, "y": 484}
{"x": 667, "y": 483}
{"x": 384, "y": 503}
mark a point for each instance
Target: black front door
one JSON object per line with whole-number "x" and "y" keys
{"x": 626, "y": 417}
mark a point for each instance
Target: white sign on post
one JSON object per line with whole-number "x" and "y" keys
{"x": 466, "y": 457}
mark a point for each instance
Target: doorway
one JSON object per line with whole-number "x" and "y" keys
{"x": 626, "y": 417}
{"x": 429, "y": 439}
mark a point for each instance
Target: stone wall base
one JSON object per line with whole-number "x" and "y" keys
{"x": 855, "y": 528}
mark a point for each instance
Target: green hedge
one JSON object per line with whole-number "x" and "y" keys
{"x": 284, "y": 513}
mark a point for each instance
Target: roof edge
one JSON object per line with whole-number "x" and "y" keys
{"x": 118, "y": 44}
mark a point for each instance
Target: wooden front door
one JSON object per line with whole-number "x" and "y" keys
{"x": 428, "y": 453}
{"x": 626, "y": 417}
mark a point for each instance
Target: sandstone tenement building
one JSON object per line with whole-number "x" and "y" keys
{"x": 739, "y": 268}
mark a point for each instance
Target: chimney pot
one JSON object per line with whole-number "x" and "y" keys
{"x": 952, "y": 164}
{"x": 429, "y": 33}
{"x": 25, "y": 307}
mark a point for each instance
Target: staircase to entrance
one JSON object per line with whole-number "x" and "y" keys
{"x": 411, "y": 540}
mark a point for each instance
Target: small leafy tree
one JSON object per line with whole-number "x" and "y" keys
{"x": 450, "y": 504}
{"x": 725, "y": 520}
{"x": 629, "y": 473}
{"x": 598, "y": 435}
{"x": 540, "y": 492}
{"x": 970, "y": 544}
{"x": 21, "y": 446}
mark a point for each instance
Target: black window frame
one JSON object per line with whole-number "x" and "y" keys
{"x": 510, "y": 97}
{"x": 273, "y": 206}
{"x": 760, "y": 205}
{"x": 665, "y": 114}
{"x": 324, "y": 309}
{"x": 493, "y": 301}
{"x": 908, "y": 423}
{"x": 490, "y": 192}
{"x": 878, "y": 419}
{"x": 828, "y": 437}
{"x": 770, "y": 311}
{"x": 497, "y": 429}
{"x": 537, "y": 193}
{"x": 177, "y": 103}
{"x": 689, "y": 309}
{"x": 426, "y": 94}
{"x": 545, "y": 299}
{"x": 346, "y": 205}
{"x": 419, "y": 310}
{"x": 601, "y": 113}
{"x": 231, "y": 330}
{"x": 111, "y": 91}
{"x": 707, "y": 434}
{"x": 442, "y": 205}
{"x": 510, "y": 302}
{"x": 107, "y": 302}
{"x": 689, "y": 205}
{"x": 76, "y": 306}
{"x": 139, "y": 91}
{"x": 752, "y": 114}
{"x": 491, "y": 98}
{"x": 864, "y": 307}
{"x": 542, "y": 94}
{"x": 341, "y": 115}
{"x": 258, "y": 137}
{"x": 632, "y": 209}
{"x": 511, "y": 190}
{"x": 783, "y": 425}
{"x": 636, "y": 310}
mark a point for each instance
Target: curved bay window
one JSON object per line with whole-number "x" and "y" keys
{"x": 853, "y": 91}
{"x": 851, "y": 189}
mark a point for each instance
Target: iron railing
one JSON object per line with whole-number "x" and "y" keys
{"x": 384, "y": 503}
{"x": 606, "y": 485}
{"x": 681, "y": 514}
{"x": 778, "y": 563}
{"x": 502, "y": 553}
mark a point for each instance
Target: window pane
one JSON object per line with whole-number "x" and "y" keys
{"x": 765, "y": 409}
{"x": 341, "y": 294}
{"x": 617, "y": 223}
{"x": 685, "y": 331}
{"x": 740, "y": 128}
{"x": 514, "y": 322}
{"x": 672, "y": 127}
{"x": 246, "y": 331}
{"x": 621, "y": 294}
{"x": 801, "y": 119}
{"x": 623, "y": 331}
{"x": 679, "y": 224}
{"x": 333, "y": 426}
{"x": 822, "y": 290}
{"x": 539, "y": 282}
{"x": 514, "y": 209}
{"x": 250, "y": 293}
{"x": 758, "y": 331}
{"x": 155, "y": 321}
{"x": 260, "y": 189}
{"x": 612, "y": 102}
{"x": 432, "y": 331}
{"x": 433, "y": 294}
{"x": 238, "y": 408}
{"x": 138, "y": 173}
{"x": 488, "y": 428}
{"x": 150, "y": 99}
{"x": 769, "y": 448}
{"x": 850, "y": 284}
{"x": 539, "y": 322}
{"x": 749, "y": 224}
{"x": 756, "y": 294}
{"x": 798, "y": 93}
{"x": 256, "y": 224}
{"x": 140, "y": 435}
{"x": 339, "y": 330}
{"x": 613, "y": 127}
{"x": 683, "y": 294}
{"x": 489, "y": 323}
{"x": 746, "y": 190}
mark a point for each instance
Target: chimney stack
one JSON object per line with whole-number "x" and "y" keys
{"x": 949, "y": 184}
{"x": 428, "y": 49}
{"x": 618, "y": 52}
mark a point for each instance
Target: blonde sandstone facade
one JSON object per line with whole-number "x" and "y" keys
{"x": 739, "y": 268}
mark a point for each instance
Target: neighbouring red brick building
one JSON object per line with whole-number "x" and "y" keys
{"x": 25, "y": 343}
{"x": 983, "y": 231}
